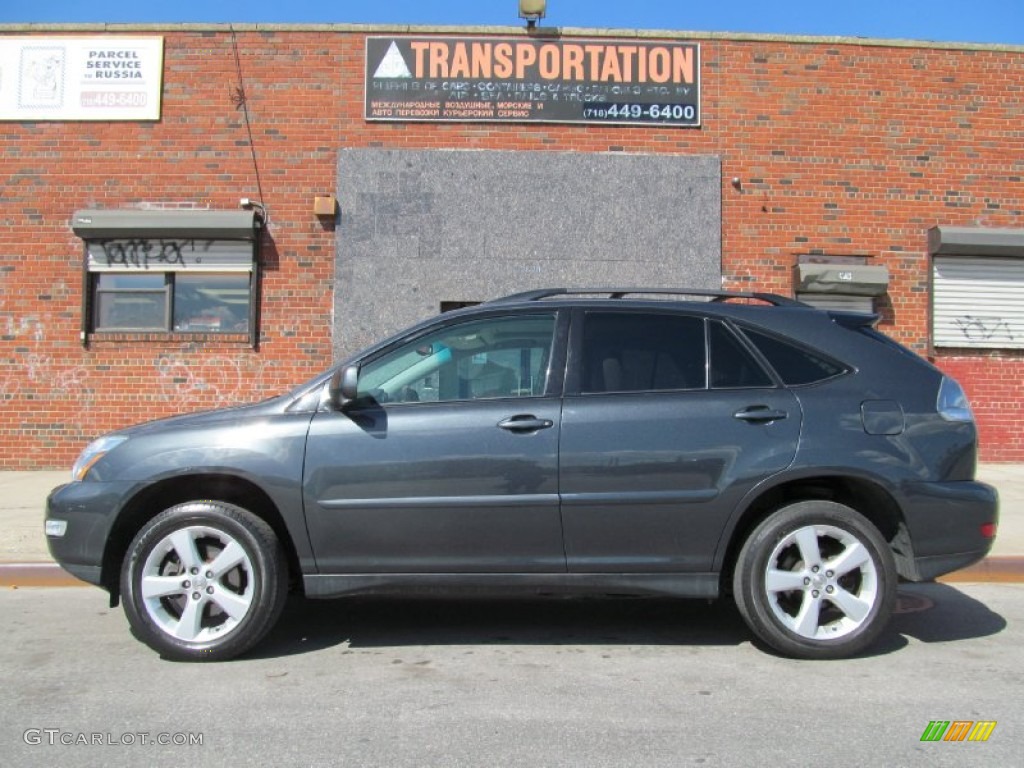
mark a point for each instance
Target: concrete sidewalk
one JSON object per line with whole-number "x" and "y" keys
{"x": 23, "y": 496}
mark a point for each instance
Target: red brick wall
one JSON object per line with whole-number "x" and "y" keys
{"x": 993, "y": 385}
{"x": 840, "y": 149}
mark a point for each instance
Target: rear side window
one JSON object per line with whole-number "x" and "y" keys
{"x": 794, "y": 365}
{"x": 634, "y": 352}
{"x": 731, "y": 364}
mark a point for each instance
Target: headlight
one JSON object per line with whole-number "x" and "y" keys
{"x": 93, "y": 452}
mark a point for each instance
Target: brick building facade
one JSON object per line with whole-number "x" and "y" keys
{"x": 837, "y": 149}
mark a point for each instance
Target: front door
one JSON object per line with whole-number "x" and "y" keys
{"x": 448, "y": 460}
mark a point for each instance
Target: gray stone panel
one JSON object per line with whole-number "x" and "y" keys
{"x": 420, "y": 227}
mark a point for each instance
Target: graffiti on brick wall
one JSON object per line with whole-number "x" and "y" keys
{"x": 35, "y": 371}
{"x": 42, "y": 389}
{"x": 984, "y": 328}
{"x": 213, "y": 382}
{"x": 32, "y": 370}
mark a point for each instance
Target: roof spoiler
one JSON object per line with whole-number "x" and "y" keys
{"x": 854, "y": 320}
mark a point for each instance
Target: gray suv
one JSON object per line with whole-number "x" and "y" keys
{"x": 645, "y": 442}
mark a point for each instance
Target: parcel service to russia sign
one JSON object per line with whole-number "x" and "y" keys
{"x": 80, "y": 78}
{"x": 493, "y": 79}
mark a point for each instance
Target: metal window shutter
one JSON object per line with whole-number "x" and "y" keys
{"x": 169, "y": 255}
{"x": 837, "y": 301}
{"x": 978, "y": 302}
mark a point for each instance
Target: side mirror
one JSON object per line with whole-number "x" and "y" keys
{"x": 344, "y": 386}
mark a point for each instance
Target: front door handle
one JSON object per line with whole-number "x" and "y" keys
{"x": 758, "y": 414}
{"x": 525, "y": 423}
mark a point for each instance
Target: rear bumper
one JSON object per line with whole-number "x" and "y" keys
{"x": 945, "y": 525}
{"x": 928, "y": 568}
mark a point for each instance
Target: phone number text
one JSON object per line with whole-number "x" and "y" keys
{"x": 668, "y": 113}
{"x": 113, "y": 98}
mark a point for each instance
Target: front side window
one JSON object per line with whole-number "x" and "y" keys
{"x": 472, "y": 360}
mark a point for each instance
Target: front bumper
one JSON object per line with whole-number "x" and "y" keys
{"x": 945, "y": 525}
{"x": 89, "y": 509}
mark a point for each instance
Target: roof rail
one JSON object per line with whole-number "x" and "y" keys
{"x": 619, "y": 293}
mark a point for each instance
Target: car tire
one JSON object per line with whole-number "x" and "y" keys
{"x": 204, "y": 581}
{"x": 815, "y": 580}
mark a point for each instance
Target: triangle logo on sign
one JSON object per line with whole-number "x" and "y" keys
{"x": 393, "y": 64}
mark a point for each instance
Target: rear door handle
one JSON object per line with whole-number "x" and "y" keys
{"x": 525, "y": 423}
{"x": 759, "y": 414}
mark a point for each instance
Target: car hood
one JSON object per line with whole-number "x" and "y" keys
{"x": 209, "y": 418}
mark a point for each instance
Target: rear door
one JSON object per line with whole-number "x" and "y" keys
{"x": 668, "y": 421}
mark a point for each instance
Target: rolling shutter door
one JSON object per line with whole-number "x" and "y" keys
{"x": 978, "y": 302}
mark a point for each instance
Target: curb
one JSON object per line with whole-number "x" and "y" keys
{"x": 15, "y": 575}
{"x": 991, "y": 570}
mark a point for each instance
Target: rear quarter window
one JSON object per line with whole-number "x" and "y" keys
{"x": 794, "y": 364}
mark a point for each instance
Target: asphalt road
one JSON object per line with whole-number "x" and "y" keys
{"x": 518, "y": 683}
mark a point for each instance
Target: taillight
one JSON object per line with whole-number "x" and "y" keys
{"x": 988, "y": 530}
{"x": 952, "y": 403}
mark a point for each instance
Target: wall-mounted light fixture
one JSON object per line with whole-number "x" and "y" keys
{"x": 325, "y": 205}
{"x": 248, "y": 204}
{"x": 532, "y": 10}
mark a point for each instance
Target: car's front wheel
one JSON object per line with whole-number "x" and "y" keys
{"x": 816, "y": 580}
{"x": 204, "y": 581}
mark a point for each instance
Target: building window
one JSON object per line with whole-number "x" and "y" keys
{"x": 977, "y": 287}
{"x": 130, "y": 302}
{"x": 172, "y": 301}
{"x": 451, "y": 306}
{"x": 169, "y": 271}
{"x": 212, "y": 303}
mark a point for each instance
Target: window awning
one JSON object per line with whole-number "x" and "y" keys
{"x": 976, "y": 241}
{"x": 844, "y": 279}
{"x": 101, "y": 224}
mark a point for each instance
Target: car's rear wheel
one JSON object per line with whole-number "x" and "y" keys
{"x": 816, "y": 580}
{"x": 204, "y": 581}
